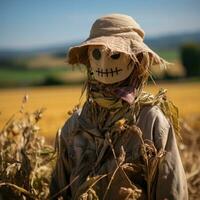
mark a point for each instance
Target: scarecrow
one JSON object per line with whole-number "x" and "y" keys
{"x": 121, "y": 144}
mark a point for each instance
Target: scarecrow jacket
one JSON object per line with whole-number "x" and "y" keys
{"x": 88, "y": 157}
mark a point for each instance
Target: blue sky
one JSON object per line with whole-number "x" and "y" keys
{"x": 35, "y": 23}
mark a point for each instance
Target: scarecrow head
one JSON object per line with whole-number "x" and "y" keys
{"x": 116, "y": 57}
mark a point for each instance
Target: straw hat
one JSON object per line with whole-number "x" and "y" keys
{"x": 119, "y": 33}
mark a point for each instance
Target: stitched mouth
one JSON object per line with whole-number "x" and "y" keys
{"x": 110, "y": 72}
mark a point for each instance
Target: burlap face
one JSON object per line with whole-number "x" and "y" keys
{"x": 109, "y": 67}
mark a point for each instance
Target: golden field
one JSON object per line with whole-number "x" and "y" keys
{"x": 59, "y": 100}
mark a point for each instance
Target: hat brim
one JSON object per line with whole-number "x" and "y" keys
{"x": 79, "y": 54}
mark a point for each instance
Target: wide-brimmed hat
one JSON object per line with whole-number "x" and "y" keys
{"x": 117, "y": 32}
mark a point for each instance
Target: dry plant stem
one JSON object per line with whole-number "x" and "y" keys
{"x": 90, "y": 188}
{"x": 128, "y": 197}
{"x": 192, "y": 174}
{"x": 145, "y": 157}
{"x": 7, "y": 123}
{"x": 19, "y": 189}
{"x": 102, "y": 176}
{"x": 62, "y": 190}
{"x": 118, "y": 166}
{"x": 110, "y": 182}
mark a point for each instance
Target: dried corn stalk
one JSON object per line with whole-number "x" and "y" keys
{"x": 26, "y": 162}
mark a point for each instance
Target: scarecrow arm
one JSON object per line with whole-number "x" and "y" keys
{"x": 171, "y": 181}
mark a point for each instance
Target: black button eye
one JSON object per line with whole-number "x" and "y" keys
{"x": 115, "y": 56}
{"x": 96, "y": 54}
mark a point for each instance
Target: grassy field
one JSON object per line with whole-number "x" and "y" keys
{"x": 16, "y": 77}
{"x": 59, "y": 100}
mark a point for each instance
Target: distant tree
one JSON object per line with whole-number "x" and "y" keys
{"x": 190, "y": 57}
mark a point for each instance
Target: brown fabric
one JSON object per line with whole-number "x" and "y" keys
{"x": 116, "y": 32}
{"x": 84, "y": 151}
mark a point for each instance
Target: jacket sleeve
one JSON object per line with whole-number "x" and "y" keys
{"x": 62, "y": 171}
{"x": 171, "y": 182}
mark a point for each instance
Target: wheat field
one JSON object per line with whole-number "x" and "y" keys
{"x": 59, "y": 100}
